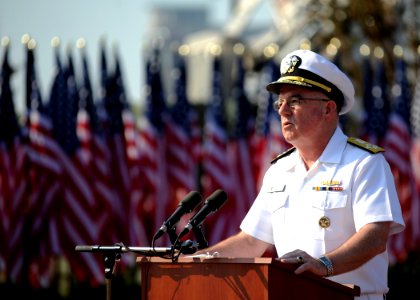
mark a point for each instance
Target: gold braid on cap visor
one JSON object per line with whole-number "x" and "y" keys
{"x": 291, "y": 79}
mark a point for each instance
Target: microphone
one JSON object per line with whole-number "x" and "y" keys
{"x": 190, "y": 201}
{"x": 211, "y": 205}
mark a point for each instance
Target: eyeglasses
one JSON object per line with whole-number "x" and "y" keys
{"x": 294, "y": 101}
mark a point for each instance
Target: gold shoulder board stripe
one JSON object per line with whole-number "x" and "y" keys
{"x": 365, "y": 145}
{"x": 284, "y": 154}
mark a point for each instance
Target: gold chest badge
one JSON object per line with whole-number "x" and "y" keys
{"x": 324, "y": 222}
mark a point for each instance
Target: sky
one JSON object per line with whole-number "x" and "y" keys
{"x": 122, "y": 24}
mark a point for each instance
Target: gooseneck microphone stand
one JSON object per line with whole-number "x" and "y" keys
{"x": 199, "y": 236}
{"x": 111, "y": 254}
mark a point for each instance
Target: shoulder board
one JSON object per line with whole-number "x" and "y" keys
{"x": 284, "y": 154}
{"x": 365, "y": 145}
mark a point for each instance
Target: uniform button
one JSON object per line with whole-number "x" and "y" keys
{"x": 324, "y": 222}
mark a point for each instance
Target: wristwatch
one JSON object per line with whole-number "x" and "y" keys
{"x": 328, "y": 265}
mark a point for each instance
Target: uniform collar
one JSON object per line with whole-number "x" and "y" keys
{"x": 335, "y": 147}
{"x": 331, "y": 154}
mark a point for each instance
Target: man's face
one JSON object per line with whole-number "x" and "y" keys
{"x": 302, "y": 121}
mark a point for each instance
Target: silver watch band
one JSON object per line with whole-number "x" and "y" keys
{"x": 328, "y": 265}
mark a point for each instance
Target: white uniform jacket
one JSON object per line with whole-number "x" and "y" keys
{"x": 317, "y": 210}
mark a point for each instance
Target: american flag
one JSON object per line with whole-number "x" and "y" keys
{"x": 96, "y": 157}
{"x": 152, "y": 150}
{"x": 398, "y": 145}
{"x": 137, "y": 234}
{"x": 376, "y": 103}
{"x": 182, "y": 135}
{"x": 269, "y": 140}
{"x": 75, "y": 220}
{"x": 183, "y": 140}
{"x": 102, "y": 91}
{"x": 43, "y": 170}
{"x": 216, "y": 171}
{"x": 344, "y": 119}
{"x": 240, "y": 154}
{"x": 114, "y": 104}
{"x": 13, "y": 200}
{"x": 367, "y": 73}
{"x": 415, "y": 161}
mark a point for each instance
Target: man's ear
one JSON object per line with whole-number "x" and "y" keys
{"x": 331, "y": 108}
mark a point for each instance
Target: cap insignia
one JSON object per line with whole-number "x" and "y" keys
{"x": 291, "y": 64}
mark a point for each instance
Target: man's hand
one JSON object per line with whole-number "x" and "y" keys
{"x": 305, "y": 262}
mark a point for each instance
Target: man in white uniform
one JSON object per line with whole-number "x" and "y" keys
{"x": 329, "y": 203}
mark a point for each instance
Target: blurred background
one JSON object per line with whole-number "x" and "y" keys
{"x": 112, "y": 111}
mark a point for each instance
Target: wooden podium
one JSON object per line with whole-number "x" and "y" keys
{"x": 234, "y": 278}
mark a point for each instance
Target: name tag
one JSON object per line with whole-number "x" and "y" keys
{"x": 277, "y": 189}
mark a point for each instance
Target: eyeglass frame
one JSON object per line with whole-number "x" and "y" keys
{"x": 278, "y": 103}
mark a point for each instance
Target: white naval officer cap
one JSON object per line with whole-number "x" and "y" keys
{"x": 309, "y": 69}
